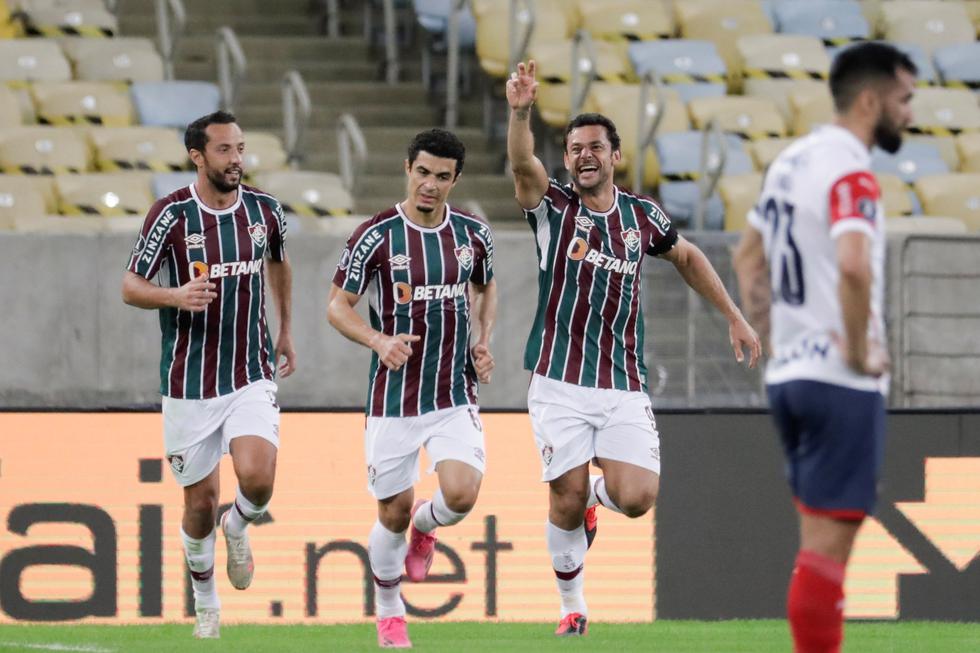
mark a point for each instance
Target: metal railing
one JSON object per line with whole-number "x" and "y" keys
{"x": 351, "y": 149}
{"x": 650, "y": 113}
{"x": 171, "y": 24}
{"x": 232, "y": 66}
{"x": 584, "y": 68}
{"x": 452, "y": 63}
{"x": 333, "y": 18}
{"x": 296, "y": 111}
{"x": 392, "y": 65}
{"x": 711, "y": 166}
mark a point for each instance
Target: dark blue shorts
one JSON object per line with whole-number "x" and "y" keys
{"x": 834, "y": 440}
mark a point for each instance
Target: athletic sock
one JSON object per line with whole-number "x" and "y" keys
{"x": 386, "y": 550}
{"x": 816, "y": 603}
{"x": 567, "y": 549}
{"x": 242, "y": 513}
{"x": 200, "y": 561}
{"x": 435, "y": 513}
{"x": 598, "y": 494}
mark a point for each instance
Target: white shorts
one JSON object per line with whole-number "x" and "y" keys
{"x": 573, "y": 424}
{"x": 197, "y": 432}
{"x": 392, "y": 445}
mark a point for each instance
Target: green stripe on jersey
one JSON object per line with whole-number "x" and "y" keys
{"x": 197, "y": 333}
{"x": 228, "y": 240}
{"x": 403, "y": 324}
{"x": 255, "y": 344}
{"x": 432, "y": 247}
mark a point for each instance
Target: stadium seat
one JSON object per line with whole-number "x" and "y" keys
{"x": 43, "y": 185}
{"x": 629, "y": 20}
{"x": 621, "y": 104}
{"x": 164, "y": 183}
{"x": 694, "y": 68}
{"x": 307, "y": 193}
{"x": 896, "y": 196}
{"x": 433, "y": 16}
{"x": 765, "y": 150}
{"x": 924, "y": 224}
{"x": 554, "y": 61}
{"x": 81, "y": 103}
{"x": 926, "y": 23}
{"x": 955, "y": 195}
{"x": 105, "y": 194}
{"x": 968, "y": 150}
{"x": 833, "y": 21}
{"x": 23, "y": 60}
{"x": 959, "y": 65}
{"x": 913, "y": 160}
{"x": 738, "y": 194}
{"x": 722, "y": 22}
{"x": 138, "y": 148}
{"x": 263, "y": 151}
{"x": 751, "y": 118}
{"x": 18, "y": 199}
{"x": 941, "y": 113}
{"x": 810, "y": 104}
{"x": 42, "y": 151}
{"x": 493, "y": 31}
{"x": 10, "y": 111}
{"x": 680, "y": 161}
{"x": 117, "y": 59}
{"x": 88, "y": 19}
{"x": 774, "y": 65}
{"x": 174, "y": 103}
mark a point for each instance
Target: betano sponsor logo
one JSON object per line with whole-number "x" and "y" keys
{"x": 578, "y": 250}
{"x": 220, "y": 270}
{"x": 405, "y": 293}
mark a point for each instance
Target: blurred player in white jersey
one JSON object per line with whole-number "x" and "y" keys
{"x": 819, "y": 225}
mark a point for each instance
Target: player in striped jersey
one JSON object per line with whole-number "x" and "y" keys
{"x": 208, "y": 244}
{"x": 588, "y": 394}
{"x": 422, "y": 260}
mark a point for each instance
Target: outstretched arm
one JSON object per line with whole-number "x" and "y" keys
{"x": 530, "y": 177}
{"x": 697, "y": 271}
{"x": 749, "y": 262}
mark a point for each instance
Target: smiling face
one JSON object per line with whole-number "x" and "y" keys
{"x": 430, "y": 178}
{"x": 221, "y": 160}
{"x": 589, "y": 158}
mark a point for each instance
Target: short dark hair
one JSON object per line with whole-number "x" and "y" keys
{"x": 438, "y": 142}
{"x": 857, "y": 65}
{"x": 195, "y": 138}
{"x": 586, "y": 119}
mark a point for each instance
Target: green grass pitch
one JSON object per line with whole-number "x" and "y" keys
{"x": 666, "y": 636}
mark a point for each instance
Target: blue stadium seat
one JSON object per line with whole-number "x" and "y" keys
{"x": 915, "y": 159}
{"x": 692, "y": 67}
{"x": 833, "y": 21}
{"x": 680, "y": 161}
{"x": 959, "y": 65}
{"x": 164, "y": 183}
{"x": 433, "y": 16}
{"x": 174, "y": 103}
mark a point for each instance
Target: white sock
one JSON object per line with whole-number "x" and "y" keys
{"x": 567, "y": 549}
{"x": 387, "y": 550}
{"x": 242, "y": 513}
{"x": 200, "y": 560}
{"x": 598, "y": 494}
{"x": 435, "y": 513}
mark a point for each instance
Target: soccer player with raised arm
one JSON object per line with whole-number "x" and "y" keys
{"x": 211, "y": 244}
{"x": 819, "y": 229}
{"x": 588, "y": 397}
{"x": 430, "y": 270}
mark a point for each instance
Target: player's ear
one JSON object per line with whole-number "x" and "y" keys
{"x": 617, "y": 156}
{"x": 197, "y": 157}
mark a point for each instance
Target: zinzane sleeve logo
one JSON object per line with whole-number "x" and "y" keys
{"x": 854, "y": 196}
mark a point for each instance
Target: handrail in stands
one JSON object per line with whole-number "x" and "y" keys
{"x": 229, "y": 53}
{"x": 352, "y": 150}
{"x": 171, "y": 24}
{"x": 392, "y": 65}
{"x": 452, "y": 63}
{"x": 649, "y": 115}
{"x": 333, "y": 18}
{"x": 712, "y": 164}
{"x": 296, "y": 111}
{"x": 519, "y": 47}
{"x": 583, "y": 70}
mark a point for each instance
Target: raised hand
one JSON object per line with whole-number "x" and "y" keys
{"x": 521, "y": 87}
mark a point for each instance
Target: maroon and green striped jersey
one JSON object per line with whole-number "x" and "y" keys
{"x": 588, "y": 328}
{"x": 420, "y": 285}
{"x": 228, "y": 345}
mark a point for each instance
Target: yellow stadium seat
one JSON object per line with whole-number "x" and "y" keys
{"x": 116, "y": 59}
{"x": 24, "y": 60}
{"x": 955, "y": 195}
{"x": 18, "y": 200}
{"x": 105, "y": 194}
{"x": 554, "y": 61}
{"x": 926, "y": 23}
{"x": 946, "y": 146}
{"x": 944, "y": 111}
{"x": 810, "y": 104}
{"x": 43, "y": 185}
{"x": 750, "y": 117}
{"x": 764, "y": 151}
{"x": 629, "y": 20}
{"x": 722, "y": 22}
{"x": 10, "y": 110}
{"x": 82, "y": 103}
{"x": 549, "y": 20}
{"x": 43, "y": 151}
{"x": 773, "y": 65}
{"x": 924, "y": 224}
{"x": 739, "y": 193}
{"x": 307, "y": 193}
{"x": 263, "y": 151}
{"x": 968, "y": 148}
{"x": 71, "y": 20}
{"x": 138, "y": 148}
{"x": 894, "y": 195}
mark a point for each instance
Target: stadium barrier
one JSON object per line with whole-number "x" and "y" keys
{"x": 91, "y": 527}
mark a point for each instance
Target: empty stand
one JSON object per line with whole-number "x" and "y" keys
{"x": 722, "y": 22}
{"x": 750, "y": 117}
{"x": 738, "y": 194}
{"x": 955, "y": 195}
{"x": 307, "y": 193}
{"x": 105, "y": 194}
{"x": 139, "y": 148}
{"x": 81, "y": 103}
{"x": 174, "y": 103}
{"x": 627, "y": 20}
{"x": 42, "y": 150}
{"x": 692, "y": 67}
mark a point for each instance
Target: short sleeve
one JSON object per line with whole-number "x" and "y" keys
{"x": 853, "y": 203}
{"x": 483, "y": 268}
{"x": 154, "y": 240}
{"x": 277, "y": 233}
{"x": 663, "y": 235}
{"x": 359, "y": 260}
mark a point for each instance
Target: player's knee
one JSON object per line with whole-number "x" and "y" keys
{"x": 637, "y": 503}
{"x": 202, "y": 509}
{"x": 256, "y": 483}
{"x": 460, "y": 500}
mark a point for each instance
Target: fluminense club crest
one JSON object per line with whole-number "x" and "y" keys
{"x": 632, "y": 238}
{"x": 464, "y": 255}
{"x": 257, "y": 233}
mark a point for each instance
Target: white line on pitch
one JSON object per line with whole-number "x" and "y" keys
{"x": 58, "y": 647}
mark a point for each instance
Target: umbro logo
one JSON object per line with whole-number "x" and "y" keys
{"x": 194, "y": 241}
{"x": 584, "y": 223}
{"x": 399, "y": 262}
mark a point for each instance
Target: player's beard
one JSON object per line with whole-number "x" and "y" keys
{"x": 217, "y": 179}
{"x": 887, "y": 136}
{"x": 600, "y": 181}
